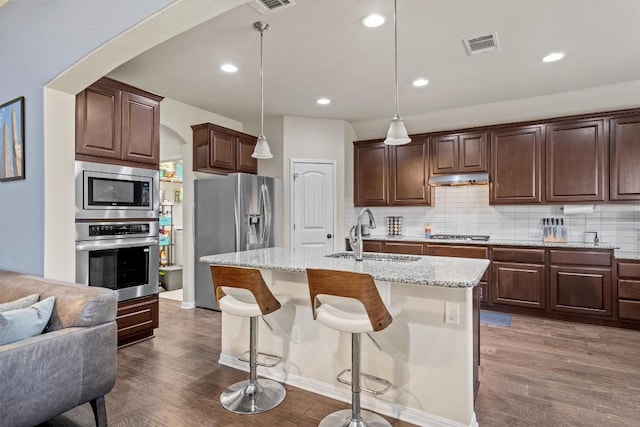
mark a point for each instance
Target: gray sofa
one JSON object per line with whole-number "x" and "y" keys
{"x": 72, "y": 363}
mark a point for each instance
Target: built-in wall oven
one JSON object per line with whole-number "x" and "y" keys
{"x": 105, "y": 191}
{"x": 122, "y": 256}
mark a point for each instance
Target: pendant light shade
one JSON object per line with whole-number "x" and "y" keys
{"x": 261, "y": 150}
{"x": 397, "y": 134}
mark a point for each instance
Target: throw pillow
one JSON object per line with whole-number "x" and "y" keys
{"x": 25, "y": 322}
{"x": 23, "y": 302}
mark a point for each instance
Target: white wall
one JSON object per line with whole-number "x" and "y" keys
{"x": 320, "y": 139}
{"x": 59, "y": 185}
{"x": 179, "y": 117}
{"x": 604, "y": 98}
{"x": 273, "y": 130}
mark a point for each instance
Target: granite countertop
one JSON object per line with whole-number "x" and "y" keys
{"x": 496, "y": 242}
{"x": 426, "y": 270}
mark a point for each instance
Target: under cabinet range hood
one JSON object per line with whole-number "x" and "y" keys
{"x": 459, "y": 179}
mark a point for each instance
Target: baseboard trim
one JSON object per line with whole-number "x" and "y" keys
{"x": 188, "y": 305}
{"x": 394, "y": 410}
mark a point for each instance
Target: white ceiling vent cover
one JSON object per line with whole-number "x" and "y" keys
{"x": 264, "y": 6}
{"x": 482, "y": 44}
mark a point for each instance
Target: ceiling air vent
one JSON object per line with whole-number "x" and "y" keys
{"x": 264, "y": 6}
{"x": 482, "y": 44}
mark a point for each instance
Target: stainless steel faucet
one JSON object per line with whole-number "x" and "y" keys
{"x": 355, "y": 234}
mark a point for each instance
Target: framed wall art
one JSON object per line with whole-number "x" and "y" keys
{"x": 12, "y": 140}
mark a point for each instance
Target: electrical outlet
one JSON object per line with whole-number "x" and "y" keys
{"x": 451, "y": 313}
{"x": 295, "y": 335}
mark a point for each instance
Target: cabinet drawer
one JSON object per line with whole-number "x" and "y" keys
{"x": 629, "y": 310}
{"x": 372, "y": 246}
{"x": 629, "y": 269}
{"x": 457, "y": 251}
{"x": 586, "y": 258}
{"x": 530, "y": 256}
{"x": 137, "y": 318}
{"x": 403, "y": 248}
{"x": 629, "y": 289}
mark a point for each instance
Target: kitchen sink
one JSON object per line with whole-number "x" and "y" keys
{"x": 376, "y": 257}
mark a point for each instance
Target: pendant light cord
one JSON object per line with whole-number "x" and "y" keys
{"x": 261, "y": 87}
{"x": 395, "y": 39}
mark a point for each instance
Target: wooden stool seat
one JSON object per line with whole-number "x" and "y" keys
{"x": 243, "y": 292}
{"x": 350, "y": 302}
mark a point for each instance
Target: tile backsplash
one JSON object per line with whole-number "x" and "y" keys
{"x": 466, "y": 210}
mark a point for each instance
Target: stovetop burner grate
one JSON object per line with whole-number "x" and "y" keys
{"x": 483, "y": 238}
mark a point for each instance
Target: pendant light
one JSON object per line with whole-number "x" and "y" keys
{"x": 262, "y": 150}
{"x": 397, "y": 134}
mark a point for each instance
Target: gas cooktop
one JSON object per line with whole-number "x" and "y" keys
{"x": 459, "y": 237}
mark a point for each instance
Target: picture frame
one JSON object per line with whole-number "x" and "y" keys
{"x": 12, "y": 153}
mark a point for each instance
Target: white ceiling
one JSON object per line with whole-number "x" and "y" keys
{"x": 319, "y": 48}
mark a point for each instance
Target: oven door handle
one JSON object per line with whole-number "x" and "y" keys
{"x": 124, "y": 243}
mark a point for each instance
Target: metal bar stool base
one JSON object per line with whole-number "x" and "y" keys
{"x": 246, "y": 398}
{"x": 343, "y": 419}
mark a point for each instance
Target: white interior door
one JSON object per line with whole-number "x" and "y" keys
{"x": 313, "y": 203}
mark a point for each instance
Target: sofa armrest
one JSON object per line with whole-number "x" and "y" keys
{"x": 76, "y": 305}
{"x": 51, "y": 373}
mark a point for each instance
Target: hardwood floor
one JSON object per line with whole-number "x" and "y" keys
{"x": 537, "y": 372}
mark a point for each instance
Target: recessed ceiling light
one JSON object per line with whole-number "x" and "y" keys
{"x": 420, "y": 82}
{"x": 373, "y": 20}
{"x": 323, "y": 101}
{"x": 228, "y": 68}
{"x": 552, "y": 57}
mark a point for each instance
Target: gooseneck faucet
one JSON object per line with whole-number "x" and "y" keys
{"x": 355, "y": 234}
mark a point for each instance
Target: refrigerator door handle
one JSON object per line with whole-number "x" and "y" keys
{"x": 266, "y": 208}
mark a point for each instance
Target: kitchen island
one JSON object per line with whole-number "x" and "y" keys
{"x": 432, "y": 364}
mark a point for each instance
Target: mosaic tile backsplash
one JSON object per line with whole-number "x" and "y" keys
{"x": 466, "y": 210}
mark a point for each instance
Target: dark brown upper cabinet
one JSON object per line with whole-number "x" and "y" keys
{"x": 117, "y": 123}
{"x": 459, "y": 153}
{"x": 370, "y": 173}
{"x": 576, "y": 170}
{"x": 221, "y": 151}
{"x": 624, "y": 140}
{"x": 409, "y": 173}
{"x": 516, "y": 165}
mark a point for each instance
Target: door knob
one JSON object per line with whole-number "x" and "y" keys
{"x": 329, "y": 236}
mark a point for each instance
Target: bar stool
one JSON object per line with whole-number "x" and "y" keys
{"x": 243, "y": 292}
{"x": 350, "y": 302}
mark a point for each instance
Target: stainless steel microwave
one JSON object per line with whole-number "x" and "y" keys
{"x": 115, "y": 192}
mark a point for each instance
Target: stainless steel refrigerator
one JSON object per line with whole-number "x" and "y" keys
{"x": 233, "y": 213}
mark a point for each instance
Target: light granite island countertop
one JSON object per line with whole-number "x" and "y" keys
{"x": 431, "y": 363}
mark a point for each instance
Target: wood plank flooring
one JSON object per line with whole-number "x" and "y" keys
{"x": 537, "y": 372}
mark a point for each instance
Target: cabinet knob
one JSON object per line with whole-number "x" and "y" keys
{"x": 329, "y": 236}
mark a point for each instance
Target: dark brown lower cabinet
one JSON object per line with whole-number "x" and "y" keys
{"x": 136, "y": 319}
{"x": 581, "y": 290}
{"x": 629, "y": 290}
{"x": 517, "y": 284}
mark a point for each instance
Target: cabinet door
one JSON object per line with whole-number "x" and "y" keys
{"x": 222, "y": 150}
{"x": 518, "y": 284}
{"x": 409, "y": 173}
{"x": 516, "y": 166}
{"x": 370, "y": 172}
{"x": 246, "y": 163}
{"x": 403, "y": 248}
{"x": 581, "y": 290}
{"x": 575, "y": 161}
{"x": 98, "y": 115}
{"x": 472, "y": 152}
{"x": 624, "y": 143}
{"x": 444, "y": 154}
{"x": 140, "y": 129}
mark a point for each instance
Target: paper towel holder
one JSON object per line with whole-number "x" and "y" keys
{"x": 578, "y": 209}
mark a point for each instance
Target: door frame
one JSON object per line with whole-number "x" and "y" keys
{"x": 334, "y": 167}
